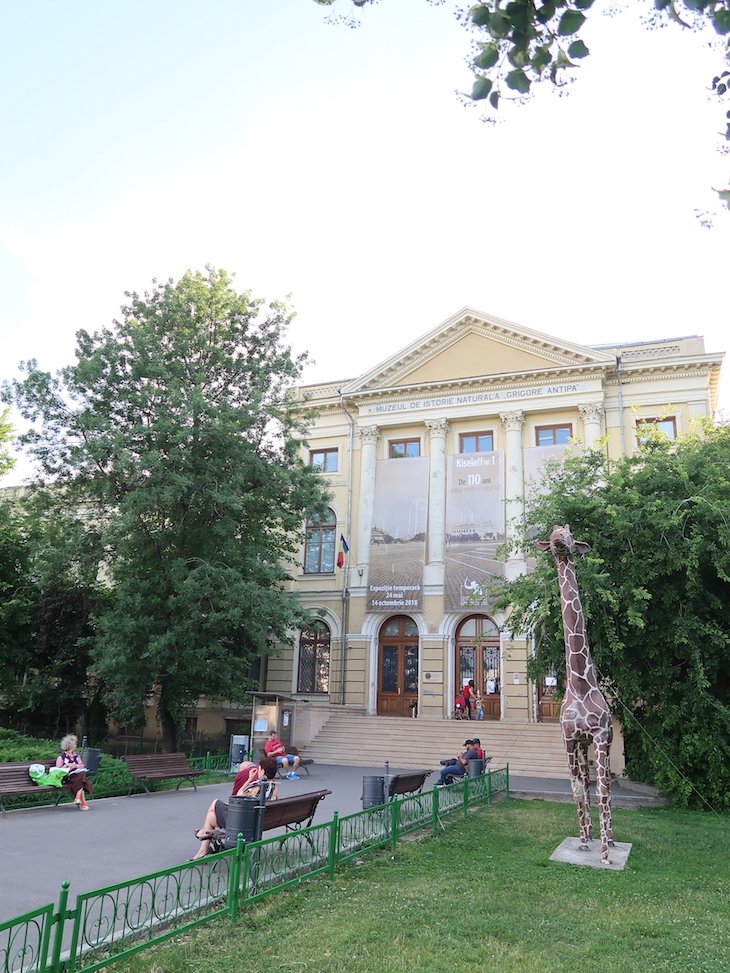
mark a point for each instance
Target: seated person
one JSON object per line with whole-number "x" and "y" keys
{"x": 456, "y": 766}
{"x": 478, "y": 747}
{"x": 276, "y": 749}
{"x": 247, "y": 783}
{"x": 76, "y": 782}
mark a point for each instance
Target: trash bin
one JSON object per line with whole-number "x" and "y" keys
{"x": 91, "y": 757}
{"x": 373, "y": 792}
{"x": 245, "y": 816}
{"x": 475, "y": 768}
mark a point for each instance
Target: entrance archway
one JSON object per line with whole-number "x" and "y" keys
{"x": 477, "y": 658}
{"x": 397, "y": 666}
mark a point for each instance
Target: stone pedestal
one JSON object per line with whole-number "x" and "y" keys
{"x": 567, "y": 851}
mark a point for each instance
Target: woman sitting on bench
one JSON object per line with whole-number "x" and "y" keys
{"x": 76, "y": 782}
{"x": 247, "y": 783}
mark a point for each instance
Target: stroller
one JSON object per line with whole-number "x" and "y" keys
{"x": 460, "y": 710}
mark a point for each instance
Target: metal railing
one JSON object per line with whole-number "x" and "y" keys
{"x": 119, "y": 920}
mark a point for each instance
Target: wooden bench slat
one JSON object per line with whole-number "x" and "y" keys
{"x": 15, "y": 782}
{"x": 160, "y": 766}
{"x": 407, "y": 783}
{"x": 288, "y": 811}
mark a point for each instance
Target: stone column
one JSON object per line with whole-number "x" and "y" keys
{"x": 514, "y": 489}
{"x": 591, "y": 415}
{"x": 436, "y": 501}
{"x": 369, "y": 440}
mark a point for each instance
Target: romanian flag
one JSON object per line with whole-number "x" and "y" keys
{"x": 344, "y": 549}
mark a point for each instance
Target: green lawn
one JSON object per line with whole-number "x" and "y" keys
{"x": 483, "y": 896}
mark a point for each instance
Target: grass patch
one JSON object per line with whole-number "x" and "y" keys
{"x": 485, "y": 896}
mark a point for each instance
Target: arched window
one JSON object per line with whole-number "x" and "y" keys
{"x": 314, "y": 659}
{"x": 319, "y": 545}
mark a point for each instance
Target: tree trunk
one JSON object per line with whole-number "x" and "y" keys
{"x": 169, "y": 727}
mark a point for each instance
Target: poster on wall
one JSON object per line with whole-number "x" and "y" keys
{"x": 398, "y": 538}
{"x": 475, "y": 513}
{"x": 536, "y": 458}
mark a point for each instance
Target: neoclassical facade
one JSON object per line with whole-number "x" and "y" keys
{"x": 428, "y": 457}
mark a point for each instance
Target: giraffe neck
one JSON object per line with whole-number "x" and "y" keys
{"x": 580, "y": 671}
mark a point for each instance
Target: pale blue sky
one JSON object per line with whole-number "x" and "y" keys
{"x": 145, "y": 137}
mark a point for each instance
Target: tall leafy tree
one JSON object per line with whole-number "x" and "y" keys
{"x": 6, "y": 430}
{"x": 48, "y": 595}
{"x": 177, "y": 428}
{"x": 655, "y": 590}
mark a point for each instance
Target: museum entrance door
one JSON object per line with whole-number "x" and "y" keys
{"x": 397, "y": 667}
{"x": 477, "y": 658}
{"x": 549, "y": 698}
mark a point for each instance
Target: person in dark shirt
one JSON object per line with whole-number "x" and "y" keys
{"x": 456, "y": 766}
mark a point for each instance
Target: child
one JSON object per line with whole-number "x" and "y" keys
{"x": 480, "y": 707}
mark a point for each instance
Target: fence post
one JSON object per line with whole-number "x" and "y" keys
{"x": 334, "y": 844}
{"x": 245, "y": 871}
{"x": 489, "y": 786}
{"x": 394, "y": 821}
{"x": 435, "y": 808}
{"x": 234, "y": 877}
{"x": 207, "y": 764}
{"x": 466, "y": 794}
{"x": 507, "y": 775}
{"x": 60, "y": 920}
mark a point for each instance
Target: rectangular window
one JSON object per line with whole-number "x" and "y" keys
{"x": 404, "y": 448}
{"x": 553, "y": 435}
{"x": 324, "y": 460}
{"x": 667, "y": 425}
{"x": 476, "y": 442}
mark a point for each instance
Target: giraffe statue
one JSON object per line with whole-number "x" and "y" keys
{"x": 584, "y": 716}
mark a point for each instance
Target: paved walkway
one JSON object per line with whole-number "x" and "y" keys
{"x": 122, "y": 838}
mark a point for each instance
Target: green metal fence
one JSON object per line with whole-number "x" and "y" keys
{"x": 212, "y": 763}
{"x": 110, "y": 923}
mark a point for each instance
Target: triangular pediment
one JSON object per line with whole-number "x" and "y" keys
{"x": 473, "y": 345}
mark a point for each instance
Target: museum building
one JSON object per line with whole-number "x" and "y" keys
{"x": 427, "y": 458}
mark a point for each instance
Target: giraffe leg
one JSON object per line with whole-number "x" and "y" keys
{"x": 579, "y": 792}
{"x": 582, "y": 757}
{"x": 603, "y": 790}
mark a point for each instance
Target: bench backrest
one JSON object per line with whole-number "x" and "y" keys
{"x": 16, "y": 774}
{"x": 292, "y": 810}
{"x": 407, "y": 783}
{"x": 141, "y": 762}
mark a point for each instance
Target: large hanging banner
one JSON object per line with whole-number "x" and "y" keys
{"x": 398, "y": 539}
{"x": 475, "y": 514}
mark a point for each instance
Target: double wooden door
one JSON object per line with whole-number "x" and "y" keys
{"x": 549, "y": 698}
{"x": 397, "y": 667}
{"x": 477, "y": 658}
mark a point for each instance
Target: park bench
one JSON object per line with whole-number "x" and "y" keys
{"x": 292, "y": 813}
{"x": 410, "y": 782}
{"x": 15, "y": 782}
{"x": 149, "y": 767}
{"x": 304, "y": 762}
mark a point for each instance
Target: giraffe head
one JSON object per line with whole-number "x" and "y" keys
{"x": 561, "y": 544}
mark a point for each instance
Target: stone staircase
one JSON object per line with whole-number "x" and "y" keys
{"x": 353, "y": 738}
